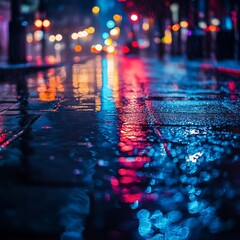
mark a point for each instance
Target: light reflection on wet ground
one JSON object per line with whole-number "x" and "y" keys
{"x": 120, "y": 148}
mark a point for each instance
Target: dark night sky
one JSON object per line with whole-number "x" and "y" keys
{"x": 70, "y": 6}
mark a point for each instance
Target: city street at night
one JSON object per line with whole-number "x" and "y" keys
{"x": 120, "y": 148}
{"x": 119, "y": 120}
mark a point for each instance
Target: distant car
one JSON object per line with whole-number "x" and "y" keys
{"x": 130, "y": 48}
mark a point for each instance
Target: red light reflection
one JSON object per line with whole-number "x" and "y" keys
{"x": 131, "y": 198}
{"x": 125, "y": 49}
{"x": 133, "y": 141}
{"x": 233, "y": 90}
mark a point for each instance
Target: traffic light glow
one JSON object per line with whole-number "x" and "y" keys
{"x": 134, "y": 17}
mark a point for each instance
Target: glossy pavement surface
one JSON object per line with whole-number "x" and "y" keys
{"x": 120, "y": 148}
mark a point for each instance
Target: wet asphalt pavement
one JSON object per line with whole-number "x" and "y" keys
{"x": 120, "y": 149}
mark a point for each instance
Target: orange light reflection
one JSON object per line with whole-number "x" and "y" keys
{"x": 49, "y": 86}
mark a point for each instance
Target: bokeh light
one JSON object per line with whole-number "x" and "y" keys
{"x": 46, "y": 23}
{"x": 74, "y": 36}
{"x": 98, "y": 47}
{"x": 52, "y": 38}
{"x": 90, "y": 30}
{"x": 134, "y": 17}
{"x": 105, "y": 35}
{"x": 59, "y": 37}
{"x": 117, "y": 18}
{"x": 176, "y": 27}
{"x": 95, "y": 10}
{"x": 202, "y": 25}
{"x": 115, "y": 32}
{"x": 145, "y": 26}
{"x": 184, "y": 24}
{"x": 29, "y": 38}
{"x": 215, "y": 22}
{"x": 38, "y": 35}
{"x": 78, "y": 48}
{"x": 108, "y": 41}
{"x": 110, "y": 24}
{"x": 38, "y": 23}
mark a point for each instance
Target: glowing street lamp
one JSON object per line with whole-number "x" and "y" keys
{"x": 95, "y": 10}
{"x": 38, "y": 23}
{"x": 43, "y": 25}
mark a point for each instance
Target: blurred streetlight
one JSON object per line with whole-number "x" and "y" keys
{"x": 95, "y": 10}
{"x": 57, "y": 46}
{"x": 43, "y": 25}
{"x": 134, "y": 17}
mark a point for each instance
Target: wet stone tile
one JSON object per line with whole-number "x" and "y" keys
{"x": 200, "y": 113}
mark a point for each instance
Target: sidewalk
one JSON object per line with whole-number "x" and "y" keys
{"x": 124, "y": 145}
{"x": 229, "y": 67}
{"x": 6, "y": 68}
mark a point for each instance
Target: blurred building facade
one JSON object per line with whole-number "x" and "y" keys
{"x": 26, "y": 10}
{"x": 4, "y": 22}
{"x": 213, "y": 25}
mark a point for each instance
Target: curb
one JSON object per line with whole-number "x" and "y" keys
{"x": 224, "y": 70}
{"x": 7, "y": 70}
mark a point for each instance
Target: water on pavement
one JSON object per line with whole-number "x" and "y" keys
{"x": 120, "y": 148}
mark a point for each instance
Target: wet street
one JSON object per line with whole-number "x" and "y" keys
{"x": 119, "y": 148}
